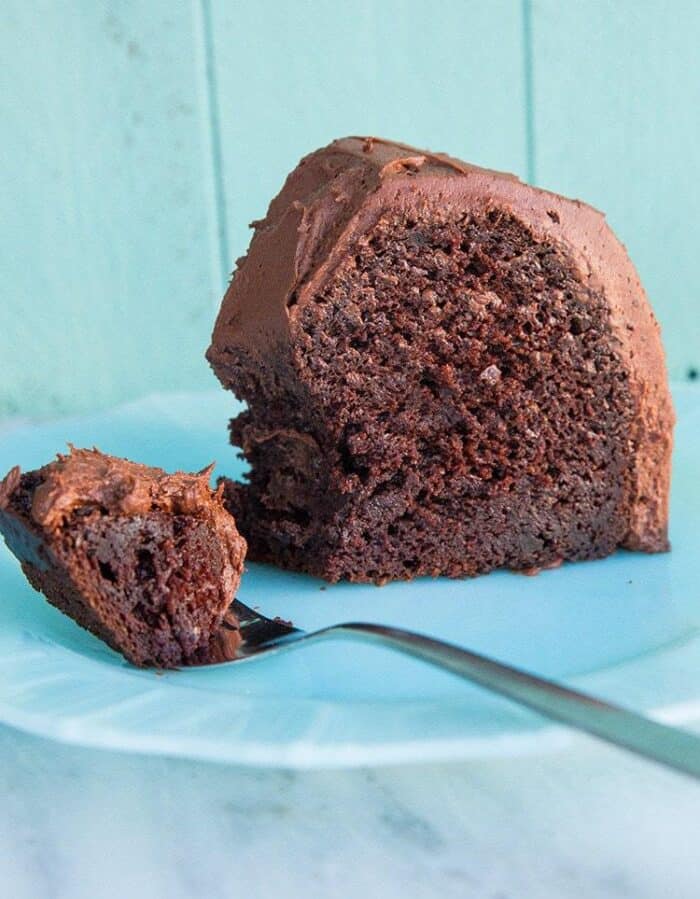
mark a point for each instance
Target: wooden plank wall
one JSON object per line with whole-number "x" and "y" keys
{"x": 139, "y": 139}
{"x": 105, "y": 258}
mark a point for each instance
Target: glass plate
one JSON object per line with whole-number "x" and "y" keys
{"x": 624, "y": 628}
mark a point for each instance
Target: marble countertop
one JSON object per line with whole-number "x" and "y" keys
{"x": 586, "y": 821}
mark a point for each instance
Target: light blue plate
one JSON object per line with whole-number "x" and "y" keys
{"x": 624, "y": 628}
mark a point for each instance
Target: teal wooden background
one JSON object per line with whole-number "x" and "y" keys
{"x": 140, "y": 138}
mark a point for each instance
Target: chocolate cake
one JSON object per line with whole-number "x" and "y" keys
{"x": 446, "y": 371}
{"x": 147, "y": 561}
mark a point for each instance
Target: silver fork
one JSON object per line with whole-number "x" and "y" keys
{"x": 670, "y": 746}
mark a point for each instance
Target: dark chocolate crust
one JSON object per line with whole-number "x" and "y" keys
{"x": 147, "y": 561}
{"x": 447, "y": 371}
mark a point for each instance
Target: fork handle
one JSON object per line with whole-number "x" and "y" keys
{"x": 670, "y": 746}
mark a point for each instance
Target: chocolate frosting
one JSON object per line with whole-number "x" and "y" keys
{"x": 337, "y": 193}
{"x": 88, "y": 479}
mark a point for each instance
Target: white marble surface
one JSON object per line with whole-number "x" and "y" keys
{"x": 587, "y": 822}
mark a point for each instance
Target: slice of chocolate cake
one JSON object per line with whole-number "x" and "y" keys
{"x": 147, "y": 561}
{"x": 446, "y": 370}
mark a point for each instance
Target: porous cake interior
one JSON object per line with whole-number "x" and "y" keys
{"x": 452, "y": 402}
{"x": 149, "y": 585}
